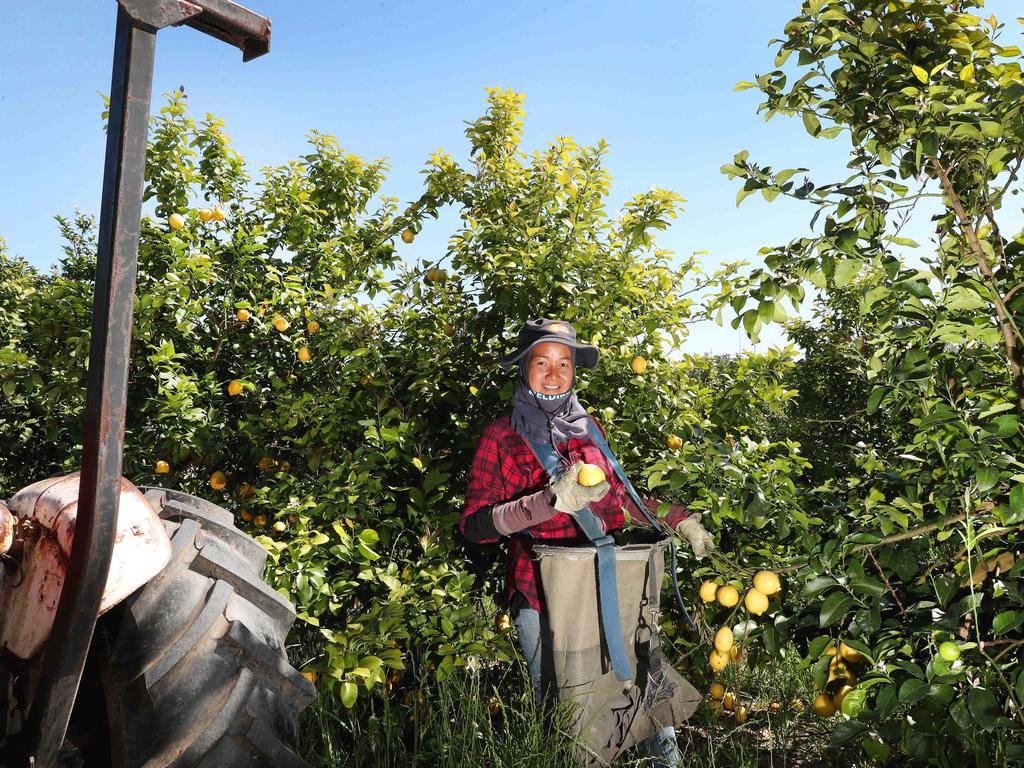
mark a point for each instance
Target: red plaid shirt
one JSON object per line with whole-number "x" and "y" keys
{"x": 504, "y": 468}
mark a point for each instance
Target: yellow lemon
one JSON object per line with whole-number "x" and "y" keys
{"x": 312, "y": 327}
{"x": 851, "y": 654}
{"x": 728, "y": 701}
{"x": 162, "y": 467}
{"x": 824, "y": 706}
{"x": 590, "y": 475}
{"x": 206, "y": 214}
{"x": 218, "y": 480}
{"x": 741, "y": 714}
{"x": 755, "y": 601}
{"x": 218, "y": 214}
{"x": 767, "y": 583}
{"x": 707, "y": 591}
{"x": 259, "y": 521}
{"x": 675, "y": 442}
{"x": 408, "y": 236}
{"x": 449, "y": 330}
{"x": 234, "y": 387}
{"x": 176, "y": 221}
{"x": 728, "y": 596}
{"x": 638, "y": 364}
{"x": 304, "y": 354}
{"x": 280, "y": 323}
{"x": 724, "y": 640}
{"x": 280, "y": 526}
{"x": 243, "y": 315}
{"x": 717, "y": 691}
{"x": 718, "y": 660}
{"x": 309, "y": 675}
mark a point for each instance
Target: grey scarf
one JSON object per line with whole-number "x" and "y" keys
{"x": 549, "y": 419}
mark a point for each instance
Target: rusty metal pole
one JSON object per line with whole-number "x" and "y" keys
{"x": 110, "y": 347}
{"x": 103, "y": 427}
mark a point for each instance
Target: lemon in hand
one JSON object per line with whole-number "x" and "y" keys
{"x": 590, "y": 475}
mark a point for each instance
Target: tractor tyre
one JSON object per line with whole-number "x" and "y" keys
{"x": 195, "y": 673}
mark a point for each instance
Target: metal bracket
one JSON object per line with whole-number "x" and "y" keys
{"x": 222, "y": 19}
{"x": 157, "y": 14}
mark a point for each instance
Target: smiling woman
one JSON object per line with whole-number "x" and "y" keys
{"x": 528, "y": 483}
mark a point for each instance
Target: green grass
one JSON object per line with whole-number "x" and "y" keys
{"x": 483, "y": 718}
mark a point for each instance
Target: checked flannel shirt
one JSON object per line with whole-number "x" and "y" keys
{"x": 504, "y": 468}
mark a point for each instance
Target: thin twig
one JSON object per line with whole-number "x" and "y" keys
{"x": 886, "y": 580}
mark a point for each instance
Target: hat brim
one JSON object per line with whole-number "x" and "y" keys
{"x": 587, "y": 355}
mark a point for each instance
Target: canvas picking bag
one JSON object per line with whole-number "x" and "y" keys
{"x": 609, "y": 715}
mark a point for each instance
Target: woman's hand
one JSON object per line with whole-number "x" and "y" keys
{"x": 696, "y": 535}
{"x": 570, "y": 496}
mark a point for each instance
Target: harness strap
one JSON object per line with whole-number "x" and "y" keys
{"x": 607, "y": 585}
{"x": 601, "y": 443}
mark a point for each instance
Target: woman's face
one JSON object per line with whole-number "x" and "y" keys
{"x": 550, "y": 371}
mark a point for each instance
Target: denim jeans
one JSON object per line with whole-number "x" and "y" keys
{"x": 534, "y": 640}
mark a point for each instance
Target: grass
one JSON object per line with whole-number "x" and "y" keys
{"x": 486, "y": 718}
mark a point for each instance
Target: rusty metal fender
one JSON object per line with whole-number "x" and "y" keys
{"x": 46, "y": 513}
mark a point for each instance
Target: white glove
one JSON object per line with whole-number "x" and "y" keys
{"x": 570, "y": 496}
{"x": 696, "y": 535}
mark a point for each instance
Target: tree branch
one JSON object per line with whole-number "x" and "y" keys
{"x": 1011, "y": 334}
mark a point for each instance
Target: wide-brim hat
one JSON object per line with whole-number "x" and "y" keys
{"x": 541, "y": 330}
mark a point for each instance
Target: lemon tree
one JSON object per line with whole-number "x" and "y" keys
{"x": 907, "y": 547}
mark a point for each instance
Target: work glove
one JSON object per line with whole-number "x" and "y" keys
{"x": 570, "y": 496}
{"x": 696, "y": 535}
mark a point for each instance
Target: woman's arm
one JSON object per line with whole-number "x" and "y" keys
{"x": 489, "y": 513}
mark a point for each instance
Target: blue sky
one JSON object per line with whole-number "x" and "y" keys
{"x": 398, "y": 79}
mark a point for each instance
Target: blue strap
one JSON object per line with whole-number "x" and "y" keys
{"x": 607, "y": 585}
{"x": 598, "y": 438}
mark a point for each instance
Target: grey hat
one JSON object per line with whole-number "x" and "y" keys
{"x": 538, "y": 331}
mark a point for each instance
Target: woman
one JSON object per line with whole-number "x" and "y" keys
{"x": 510, "y": 494}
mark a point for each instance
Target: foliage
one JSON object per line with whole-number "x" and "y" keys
{"x": 350, "y": 466}
{"x": 920, "y": 541}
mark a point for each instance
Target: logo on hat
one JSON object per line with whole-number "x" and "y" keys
{"x": 558, "y": 328}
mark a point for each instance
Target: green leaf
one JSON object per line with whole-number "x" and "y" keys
{"x": 1006, "y": 621}
{"x": 991, "y": 129}
{"x": 811, "y": 123}
{"x": 853, "y": 702}
{"x": 846, "y": 731}
{"x": 913, "y": 690}
{"x": 742, "y": 195}
{"x": 817, "y": 585}
{"x": 834, "y": 609}
{"x": 986, "y": 477}
{"x": 983, "y": 707}
{"x": 743, "y": 85}
{"x": 875, "y": 398}
{"x": 868, "y": 585}
{"x": 877, "y": 750}
{"x": 846, "y": 270}
{"x": 920, "y": 73}
{"x": 349, "y": 693}
{"x": 1017, "y": 500}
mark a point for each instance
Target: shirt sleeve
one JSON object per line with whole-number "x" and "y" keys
{"x": 485, "y": 489}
